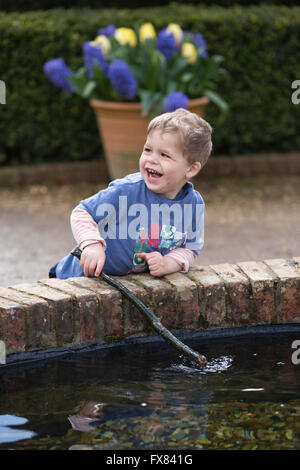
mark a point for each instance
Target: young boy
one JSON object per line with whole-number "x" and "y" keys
{"x": 148, "y": 221}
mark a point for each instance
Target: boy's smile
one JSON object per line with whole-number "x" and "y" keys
{"x": 153, "y": 174}
{"x": 163, "y": 166}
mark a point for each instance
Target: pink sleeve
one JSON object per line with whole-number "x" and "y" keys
{"x": 183, "y": 257}
{"x": 84, "y": 228}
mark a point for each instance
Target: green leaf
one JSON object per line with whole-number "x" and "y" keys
{"x": 146, "y": 101}
{"x": 215, "y": 98}
{"x": 155, "y": 70}
{"x": 79, "y": 81}
{"x": 103, "y": 86}
{"x": 149, "y": 100}
{"x": 172, "y": 86}
{"x": 88, "y": 89}
{"x": 177, "y": 66}
{"x": 158, "y": 108}
{"x": 186, "y": 77}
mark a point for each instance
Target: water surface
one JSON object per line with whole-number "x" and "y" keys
{"x": 247, "y": 397}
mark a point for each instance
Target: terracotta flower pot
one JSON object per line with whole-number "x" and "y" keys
{"x": 123, "y": 129}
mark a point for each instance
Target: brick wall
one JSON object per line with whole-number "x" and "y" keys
{"x": 59, "y": 313}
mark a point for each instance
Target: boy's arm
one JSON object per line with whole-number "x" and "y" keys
{"x": 160, "y": 265}
{"x": 88, "y": 238}
{"x": 183, "y": 257}
{"x": 85, "y": 229}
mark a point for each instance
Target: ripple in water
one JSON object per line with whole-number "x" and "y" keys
{"x": 219, "y": 364}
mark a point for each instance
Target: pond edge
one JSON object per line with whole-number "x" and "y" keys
{"x": 55, "y": 317}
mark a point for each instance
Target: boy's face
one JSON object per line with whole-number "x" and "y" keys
{"x": 163, "y": 166}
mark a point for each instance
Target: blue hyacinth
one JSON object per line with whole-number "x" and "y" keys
{"x": 58, "y": 72}
{"x": 108, "y": 31}
{"x": 166, "y": 43}
{"x": 200, "y": 41}
{"x": 93, "y": 55}
{"x": 175, "y": 100}
{"x": 122, "y": 78}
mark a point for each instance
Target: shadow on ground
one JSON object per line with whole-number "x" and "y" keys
{"x": 246, "y": 219}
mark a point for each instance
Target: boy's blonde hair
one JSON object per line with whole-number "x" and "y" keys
{"x": 195, "y": 133}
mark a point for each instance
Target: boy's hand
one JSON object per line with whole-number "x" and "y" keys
{"x": 92, "y": 259}
{"x": 158, "y": 264}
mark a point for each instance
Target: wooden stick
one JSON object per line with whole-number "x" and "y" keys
{"x": 152, "y": 319}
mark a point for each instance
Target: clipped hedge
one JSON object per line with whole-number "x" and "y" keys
{"x": 42, "y": 123}
{"x": 29, "y": 5}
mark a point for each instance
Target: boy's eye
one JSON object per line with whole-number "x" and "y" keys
{"x": 146, "y": 149}
{"x": 165, "y": 155}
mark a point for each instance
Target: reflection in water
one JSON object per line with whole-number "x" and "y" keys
{"x": 91, "y": 412}
{"x": 8, "y": 434}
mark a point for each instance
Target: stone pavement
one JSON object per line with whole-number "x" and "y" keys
{"x": 247, "y": 219}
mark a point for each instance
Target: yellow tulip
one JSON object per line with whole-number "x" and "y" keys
{"x": 189, "y": 51}
{"x": 147, "y": 31}
{"x": 102, "y": 42}
{"x": 125, "y": 36}
{"x": 177, "y": 31}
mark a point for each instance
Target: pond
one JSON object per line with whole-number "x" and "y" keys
{"x": 149, "y": 397}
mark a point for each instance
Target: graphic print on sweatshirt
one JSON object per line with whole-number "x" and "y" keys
{"x": 163, "y": 238}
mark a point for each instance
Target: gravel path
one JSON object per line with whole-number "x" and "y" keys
{"x": 246, "y": 219}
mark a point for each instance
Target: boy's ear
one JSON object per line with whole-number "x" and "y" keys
{"x": 193, "y": 170}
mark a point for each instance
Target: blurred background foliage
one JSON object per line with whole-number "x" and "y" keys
{"x": 260, "y": 43}
{"x": 27, "y": 5}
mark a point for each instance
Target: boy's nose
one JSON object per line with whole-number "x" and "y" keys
{"x": 153, "y": 157}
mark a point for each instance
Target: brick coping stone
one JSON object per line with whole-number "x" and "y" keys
{"x": 54, "y": 313}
